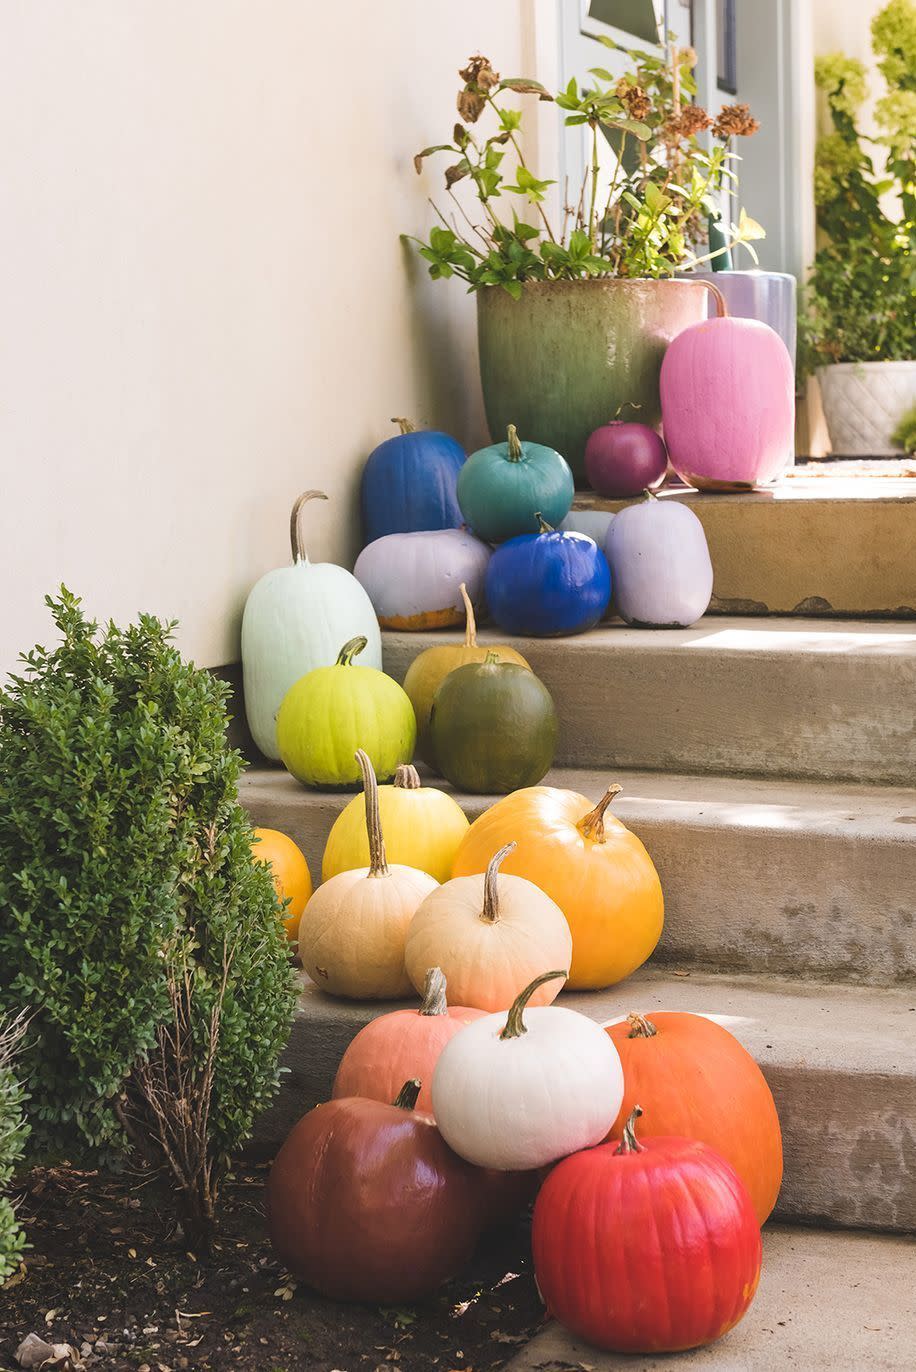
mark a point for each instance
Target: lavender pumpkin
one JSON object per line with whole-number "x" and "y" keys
{"x": 660, "y": 566}
{"x": 414, "y": 579}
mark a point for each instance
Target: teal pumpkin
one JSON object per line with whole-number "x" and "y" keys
{"x": 493, "y": 727}
{"x": 502, "y": 488}
{"x": 332, "y": 712}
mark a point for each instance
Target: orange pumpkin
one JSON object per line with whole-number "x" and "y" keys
{"x": 695, "y": 1080}
{"x": 291, "y": 874}
{"x": 402, "y": 1045}
{"x": 590, "y": 864}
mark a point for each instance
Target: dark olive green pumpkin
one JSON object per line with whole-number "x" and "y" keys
{"x": 493, "y": 727}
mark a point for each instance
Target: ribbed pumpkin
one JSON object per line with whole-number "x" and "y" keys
{"x": 501, "y": 487}
{"x": 490, "y": 935}
{"x": 404, "y": 1044}
{"x": 430, "y": 668}
{"x": 596, "y": 870}
{"x": 331, "y": 712}
{"x": 423, "y": 828}
{"x": 695, "y": 1080}
{"x": 352, "y": 932}
{"x": 290, "y": 871}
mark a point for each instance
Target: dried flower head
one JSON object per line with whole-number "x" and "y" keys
{"x": 735, "y": 121}
{"x": 633, "y": 98}
{"x": 471, "y": 105}
{"x": 687, "y": 57}
{"x": 691, "y": 120}
{"x": 479, "y": 72}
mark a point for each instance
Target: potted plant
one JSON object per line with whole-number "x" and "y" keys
{"x": 859, "y": 323}
{"x": 574, "y": 317}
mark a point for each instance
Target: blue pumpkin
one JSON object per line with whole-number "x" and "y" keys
{"x": 409, "y": 483}
{"x": 548, "y": 583}
{"x": 501, "y": 488}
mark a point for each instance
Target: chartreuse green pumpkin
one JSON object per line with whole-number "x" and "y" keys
{"x": 333, "y": 711}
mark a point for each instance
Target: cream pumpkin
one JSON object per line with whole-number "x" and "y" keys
{"x": 352, "y": 931}
{"x": 490, "y": 934}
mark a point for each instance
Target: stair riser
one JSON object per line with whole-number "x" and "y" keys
{"x": 784, "y": 900}
{"x": 848, "y": 1140}
{"x": 712, "y": 707}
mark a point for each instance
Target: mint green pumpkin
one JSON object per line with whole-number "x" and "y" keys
{"x": 332, "y": 711}
{"x": 502, "y": 489}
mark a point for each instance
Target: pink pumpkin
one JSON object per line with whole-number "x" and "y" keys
{"x": 728, "y": 404}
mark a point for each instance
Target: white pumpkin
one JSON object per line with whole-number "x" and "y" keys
{"x": 519, "y": 1092}
{"x": 490, "y": 934}
{"x": 352, "y": 931}
{"x": 295, "y": 620}
{"x": 661, "y": 572}
{"x": 595, "y": 523}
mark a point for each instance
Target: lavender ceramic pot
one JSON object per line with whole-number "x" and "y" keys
{"x": 767, "y": 296}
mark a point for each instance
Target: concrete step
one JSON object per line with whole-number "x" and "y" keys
{"x": 792, "y": 878}
{"x": 821, "y": 544}
{"x": 841, "y": 1062}
{"x": 768, "y": 697}
{"x": 837, "y": 1300}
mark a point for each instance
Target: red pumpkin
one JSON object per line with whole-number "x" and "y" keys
{"x": 698, "y": 1082}
{"x": 367, "y": 1202}
{"x": 646, "y": 1246}
{"x": 407, "y": 1043}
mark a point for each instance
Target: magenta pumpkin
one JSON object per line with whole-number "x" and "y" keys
{"x": 624, "y": 459}
{"x": 728, "y": 404}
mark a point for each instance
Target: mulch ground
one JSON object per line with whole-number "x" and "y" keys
{"x": 108, "y": 1274}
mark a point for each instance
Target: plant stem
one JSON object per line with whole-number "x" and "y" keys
{"x": 594, "y": 183}
{"x": 522, "y": 163}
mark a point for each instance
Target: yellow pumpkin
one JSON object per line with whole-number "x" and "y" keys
{"x": 423, "y": 828}
{"x": 292, "y": 878}
{"x": 596, "y": 870}
{"x": 352, "y": 932}
{"x": 490, "y": 935}
{"x": 430, "y": 668}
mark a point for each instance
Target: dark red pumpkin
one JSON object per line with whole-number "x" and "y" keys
{"x": 648, "y": 1246}
{"x": 367, "y": 1202}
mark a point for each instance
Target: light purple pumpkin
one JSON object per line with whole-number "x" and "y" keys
{"x": 592, "y": 522}
{"x": 661, "y": 571}
{"x": 413, "y": 579}
{"x": 728, "y": 404}
{"x": 623, "y": 459}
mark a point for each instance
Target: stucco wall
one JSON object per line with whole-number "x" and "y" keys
{"x": 206, "y": 307}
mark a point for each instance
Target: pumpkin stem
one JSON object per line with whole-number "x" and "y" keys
{"x": 625, "y": 405}
{"x": 513, "y": 444}
{"x": 515, "y": 1026}
{"x": 629, "y": 1143}
{"x": 407, "y": 778}
{"x": 295, "y": 532}
{"x": 351, "y": 649}
{"x": 594, "y": 820}
{"x": 490, "y": 911}
{"x": 491, "y": 659}
{"x": 649, "y": 494}
{"x": 408, "y": 1095}
{"x": 640, "y": 1027}
{"x": 378, "y": 863}
{"x": 434, "y": 1000}
{"x": 470, "y": 622}
{"x": 405, "y": 426}
{"x": 543, "y": 526}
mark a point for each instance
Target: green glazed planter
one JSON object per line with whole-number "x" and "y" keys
{"x": 559, "y": 361}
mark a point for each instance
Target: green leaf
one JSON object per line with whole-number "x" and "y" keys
{"x": 428, "y": 152}
{"x": 523, "y": 85}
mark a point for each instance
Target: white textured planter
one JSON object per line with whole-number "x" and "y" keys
{"x": 863, "y": 404}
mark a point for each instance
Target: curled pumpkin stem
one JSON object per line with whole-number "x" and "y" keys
{"x": 408, "y": 1095}
{"x": 513, "y": 444}
{"x": 640, "y": 1027}
{"x": 629, "y": 1143}
{"x": 405, "y": 425}
{"x": 592, "y": 826}
{"x": 295, "y": 523}
{"x": 490, "y": 911}
{"x": 515, "y": 1025}
{"x": 378, "y": 863}
{"x": 470, "y": 620}
{"x": 434, "y": 997}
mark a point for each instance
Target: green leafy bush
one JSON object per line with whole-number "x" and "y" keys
{"x": 13, "y": 1133}
{"x": 137, "y": 928}
{"x": 905, "y": 433}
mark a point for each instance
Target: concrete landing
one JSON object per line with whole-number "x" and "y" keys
{"x": 803, "y": 698}
{"x": 839, "y": 1301}
{"x": 841, "y": 1062}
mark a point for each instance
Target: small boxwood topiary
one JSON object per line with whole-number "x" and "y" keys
{"x": 135, "y": 926}
{"x": 13, "y": 1133}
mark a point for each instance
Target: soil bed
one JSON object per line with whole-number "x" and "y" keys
{"x": 108, "y": 1274}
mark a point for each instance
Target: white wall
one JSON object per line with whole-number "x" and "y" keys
{"x": 205, "y": 303}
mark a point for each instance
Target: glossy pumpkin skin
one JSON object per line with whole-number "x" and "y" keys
{"x": 295, "y": 620}
{"x": 548, "y": 584}
{"x": 430, "y": 668}
{"x": 623, "y": 459}
{"x": 366, "y": 1202}
{"x": 423, "y": 828}
{"x": 646, "y": 1252}
{"x": 599, "y": 874}
{"x": 331, "y": 712}
{"x": 502, "y": 488}
{"x": 696, "y": 1080}
{"x": 660, "y": 565}
{"x": 414, "y": 580}
{"x": 409, "y": 483}
{"x": 493, "y": 727}
{"x": 292, "y": 878}
{"x": 728, "y": 404}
